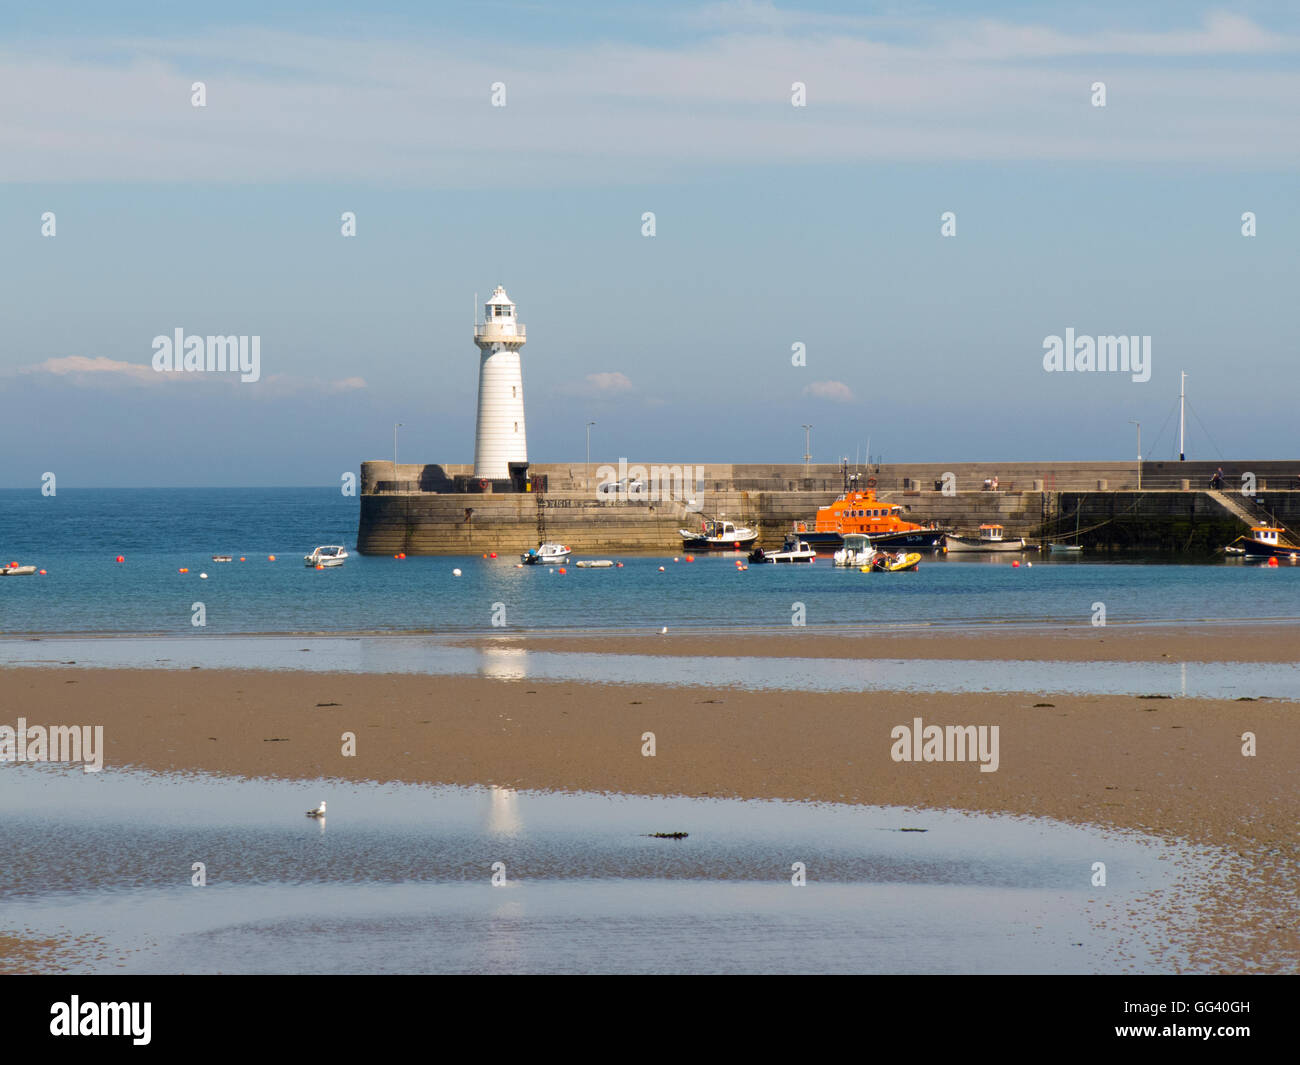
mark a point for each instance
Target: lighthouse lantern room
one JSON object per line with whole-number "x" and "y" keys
{"x": 500, "y": 437}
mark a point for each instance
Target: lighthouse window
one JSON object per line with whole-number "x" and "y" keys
{"x": 512, "y": 391}
{"x": 516, "y": 427}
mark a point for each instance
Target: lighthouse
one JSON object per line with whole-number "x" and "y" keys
{"x": 499, "y": 439}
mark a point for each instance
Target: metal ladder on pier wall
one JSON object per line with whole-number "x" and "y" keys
{"x": 541, "y": 516}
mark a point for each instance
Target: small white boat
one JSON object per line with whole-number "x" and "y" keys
{"x": 331, "y": 555}
{"x": 793, "y": 550}
{"x": 551, "y": 554}
{"x": 17, "y": 571}
{"x": 595, "y": 563}
{"x": 857, "y": 550}
{"x": 223, "y": 558}
{"x": 717, "y": 534}
{"x": 1065, "y": 549}
{"x": 989, "y": 539}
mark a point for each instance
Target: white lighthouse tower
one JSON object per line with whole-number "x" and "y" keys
{"x": 500, "y": 438}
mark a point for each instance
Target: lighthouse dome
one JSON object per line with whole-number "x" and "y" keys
{"x": 500, "y": 305}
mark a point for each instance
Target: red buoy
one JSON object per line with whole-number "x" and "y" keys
{"x": 1272, "y": 562}
{"x": 120, "y": 558}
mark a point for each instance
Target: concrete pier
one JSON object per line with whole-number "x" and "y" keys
{"x": 442, "y": 509}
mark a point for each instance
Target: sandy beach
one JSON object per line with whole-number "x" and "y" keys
{"x": 1171, "y": 767}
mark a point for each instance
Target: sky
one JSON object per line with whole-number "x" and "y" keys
{"x": 777, "y": 229}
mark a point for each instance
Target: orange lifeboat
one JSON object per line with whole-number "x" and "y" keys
{"x": 882, "y": 523}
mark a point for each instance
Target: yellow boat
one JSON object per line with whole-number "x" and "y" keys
{"x": 886, "y": 562}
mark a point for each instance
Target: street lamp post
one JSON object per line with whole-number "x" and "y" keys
{"x": 807, "y": 446}
{"x": 589, "y": 425}
{"x": 1139, "y": 429}
{"x": 396, "y": 426}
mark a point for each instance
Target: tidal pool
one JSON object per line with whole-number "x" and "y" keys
{"x": 399, "y": 878}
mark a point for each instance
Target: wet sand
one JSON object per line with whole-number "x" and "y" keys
{"x": 1246, "y": 642}
{"x": 31, "y": 954}
{"x": 1172, "y": 767}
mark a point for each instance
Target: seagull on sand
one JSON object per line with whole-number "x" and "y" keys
{"x": 319, "y": 811}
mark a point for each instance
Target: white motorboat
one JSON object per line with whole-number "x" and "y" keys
{"x": 17, "y": 571}
{"x": 989, "y": 539}
{"x": 595, "y": 563}
{"x": 718, "y": 535}
{"x": 549, "y": 554}
{"x": 793, "y": 550}
{"x": 325, "y": 557}
{"x": 857, "y": 550}
{"x": 1065, "y": 549}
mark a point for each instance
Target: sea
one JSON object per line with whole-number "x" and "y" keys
{"x": 77, "y": 535}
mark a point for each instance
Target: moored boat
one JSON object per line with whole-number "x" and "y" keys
{"x": 857, "y": 551}
{"x": 326, "y": 557}
{"x": 548, "y": 554}
{"x": 1065, "y": 549}
{"x": 989, "y": 539}
{"x": 792, "y": 550}
{"x": 1267, "y": 541}
{"x": 17, "y": 571}
{"x": 716, "y": 534}
{"x": 861, "y": 513}
{"x": 892, "y": 562}
{"x": 595, "y": 563}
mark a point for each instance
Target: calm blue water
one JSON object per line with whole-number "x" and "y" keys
{"x": 400, "y": 881}
{"x": 77, "y": 534}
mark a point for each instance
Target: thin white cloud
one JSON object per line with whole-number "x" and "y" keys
{"x": 835, "y": 391}
{"x": 93, "y": 372}
{"x": 83, "y": 369}
{"x": 609, "y": 382}
{"x": 279, "y": 386}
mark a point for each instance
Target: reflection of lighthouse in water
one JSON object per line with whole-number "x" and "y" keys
{"x": 500, "y": 438}
{"x": 503, "y": 812}
{"x": 503, "y": 663}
